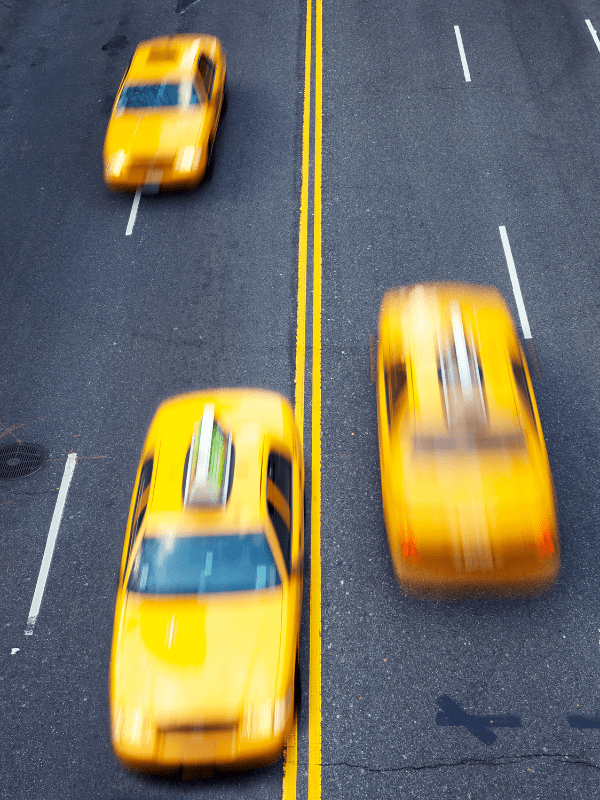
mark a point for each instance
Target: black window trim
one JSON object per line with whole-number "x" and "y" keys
{"x": 137, "y": 519}
{"x": 208, "y": 90}
{"x": 274, "y": 513}
{"x": 392, "y": 402}
{"x": 520, "y": 375}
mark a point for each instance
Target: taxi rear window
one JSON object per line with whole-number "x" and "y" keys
{"x": 483, "y": 441}
{"x": 204, "y": 565}
{"x": 158, "y": 95}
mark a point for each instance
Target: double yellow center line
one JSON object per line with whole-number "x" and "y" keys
{"x": 314, "y": 686}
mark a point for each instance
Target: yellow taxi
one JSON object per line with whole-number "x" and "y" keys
{"x": 165, "y": 116}
{"x": 207, "y": 617}
{"x": 468, "y": 498}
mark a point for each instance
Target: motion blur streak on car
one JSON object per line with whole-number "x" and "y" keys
{"x": 165, "y": 116}
{"x": 207, "y": 618}
{"x": 467, "y": 491}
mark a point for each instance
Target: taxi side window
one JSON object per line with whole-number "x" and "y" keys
{"x": 279, "y": 501}
{"x": 521, "y": 381}
{"x": 141, "y": 502}
{"x": 207, "y": 73}
{"x": 395, "y": 388}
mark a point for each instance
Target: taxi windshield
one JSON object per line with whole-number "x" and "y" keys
{"x": 158, "y": 95}
{"x": 204, "y": 564}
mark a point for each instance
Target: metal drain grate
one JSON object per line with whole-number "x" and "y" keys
{"x": 20, "y": 460}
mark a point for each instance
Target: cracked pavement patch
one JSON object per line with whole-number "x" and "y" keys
{"x": 467, "y": 762}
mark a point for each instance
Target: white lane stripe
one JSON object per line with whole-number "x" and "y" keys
{"x": 593, "y": 32}
{"x": 463, "y": 57}
{"x": 50, "y": 543}
{"x": 514, "y": 278}
{"x": 134, "y": 209}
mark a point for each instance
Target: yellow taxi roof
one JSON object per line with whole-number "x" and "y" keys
{"x": 416, "y": 321}
{"x": 168, "y": 57}
{"x": 251, "y": 416}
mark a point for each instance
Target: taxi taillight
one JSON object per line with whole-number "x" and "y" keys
{"x": 409, "y": 548}
{"x": 545, "y": 543}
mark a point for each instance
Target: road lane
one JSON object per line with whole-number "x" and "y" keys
{"x": 102, "y": 327}
{"x": 420, "y": 170}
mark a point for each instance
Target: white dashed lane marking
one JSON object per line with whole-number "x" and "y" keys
{"x": 50, "y": 543}
{"x": 593, "y": 32}
{"x": 514, "y": 278}
{"x": 463, "y": 57}
{"x": 134, "y": 210}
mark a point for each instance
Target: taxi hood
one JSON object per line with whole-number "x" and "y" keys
{"x": 184, "y": 659}
{"x": 154, "y": 135}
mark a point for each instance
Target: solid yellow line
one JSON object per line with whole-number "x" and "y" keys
{"x": 290, "y": 754}
{"x": 314, "y": 687}
{"x": 303, "y": 234}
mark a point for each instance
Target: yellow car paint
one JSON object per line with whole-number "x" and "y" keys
{"x": 166, "y": 146}
{"x": 207, "y": 678}
{"x": 467, "y": 490}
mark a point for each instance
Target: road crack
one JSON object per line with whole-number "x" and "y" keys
{"x": 565, "y": 758}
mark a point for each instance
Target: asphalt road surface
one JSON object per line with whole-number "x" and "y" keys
{"x": 420, "y": 169}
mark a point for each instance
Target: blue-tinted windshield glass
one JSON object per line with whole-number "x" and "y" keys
{"x": 203, "y": 565}
{"x": 164, "y": 94}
